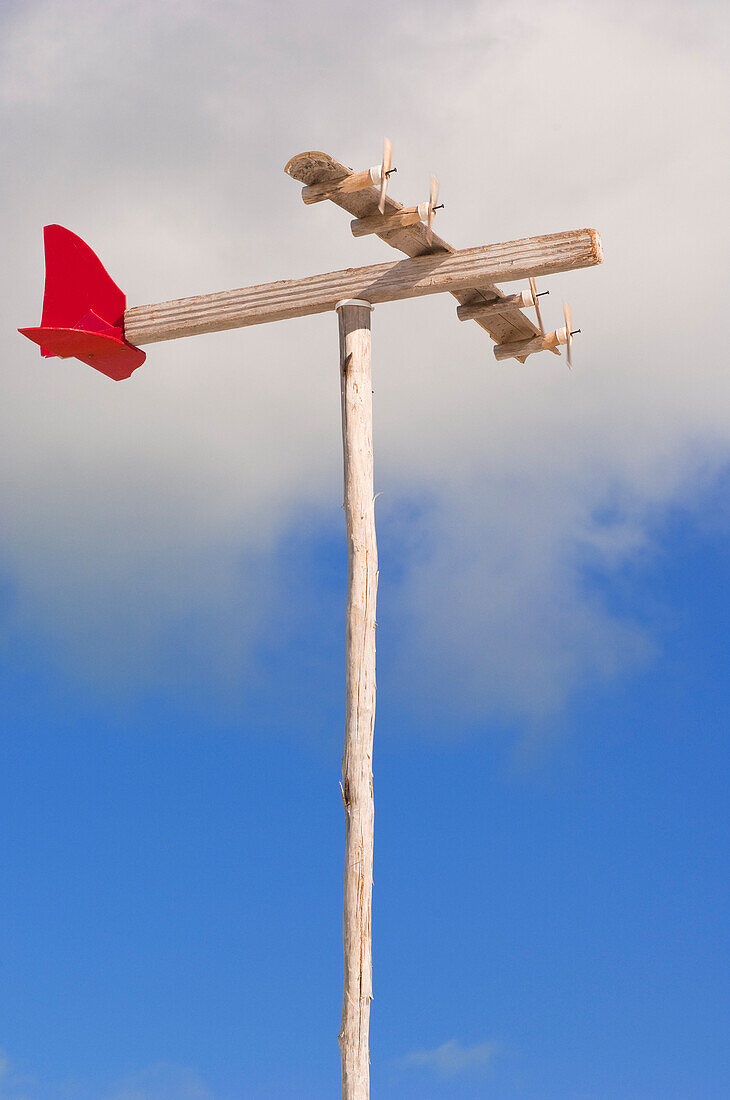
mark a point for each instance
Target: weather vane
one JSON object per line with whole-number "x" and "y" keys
{"x": 85, "y": 316}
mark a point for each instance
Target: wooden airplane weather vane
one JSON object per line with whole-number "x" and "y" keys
{"x": 85, "y": 316}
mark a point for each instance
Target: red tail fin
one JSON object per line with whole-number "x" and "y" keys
{"x": 83, "y": 308}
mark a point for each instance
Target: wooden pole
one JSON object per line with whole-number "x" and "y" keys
{"x": 357, "y": 773}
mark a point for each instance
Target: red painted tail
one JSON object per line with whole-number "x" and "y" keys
{"x": 83, "y": 309}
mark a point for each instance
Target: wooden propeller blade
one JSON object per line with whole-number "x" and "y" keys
{"x": 536, "y": 303}
{"x": 568, "y": 327}
{"x": 384, "y": 170}
{"x": 433, "y": 199}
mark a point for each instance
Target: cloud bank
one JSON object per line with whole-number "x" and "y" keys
{"x": 141, "y": 520}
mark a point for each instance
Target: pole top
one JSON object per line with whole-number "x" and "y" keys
{"x": 354, "y": 302}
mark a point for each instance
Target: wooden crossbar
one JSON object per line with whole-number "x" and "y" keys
{"x": 410, "y": 278}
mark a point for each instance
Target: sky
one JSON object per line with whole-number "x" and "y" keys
{"x": 550, "y": 749}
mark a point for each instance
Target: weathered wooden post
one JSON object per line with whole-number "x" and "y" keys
{"x": 357, "y": 758}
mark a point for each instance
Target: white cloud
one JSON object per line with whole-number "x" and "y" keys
{"x": 162, "y": 1081}
{"x": 13, "y": 1086}
{"x": 452, "y": 1058}
{"x": 134, "y": 511}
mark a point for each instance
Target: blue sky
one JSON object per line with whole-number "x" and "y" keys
{"x": 559, "y": 913}
{"x": 551, "y": 758}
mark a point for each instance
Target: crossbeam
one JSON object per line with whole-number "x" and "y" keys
{"x": 390, "y": 282}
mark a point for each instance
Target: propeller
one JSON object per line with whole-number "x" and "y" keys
{"x": 567, "y": 334}
{"x": 385, "y": 171}
{"x": 536, "y": 303}
{"x": 570, "y": 331}
{"x": 433, "y": 198}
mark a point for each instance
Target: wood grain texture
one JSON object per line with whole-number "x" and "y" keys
{"x": 357, "y": 770}
{"x": 429, "y": 274}
{"x": 354, "y": 181}
{"x": 384, "y": 223}
{"x": 317, "y": 167}
{"x": 479, "y": 309}
{"x": 520, "y": 349}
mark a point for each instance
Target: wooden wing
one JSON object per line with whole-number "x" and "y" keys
{"x": 315, "y": 167}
